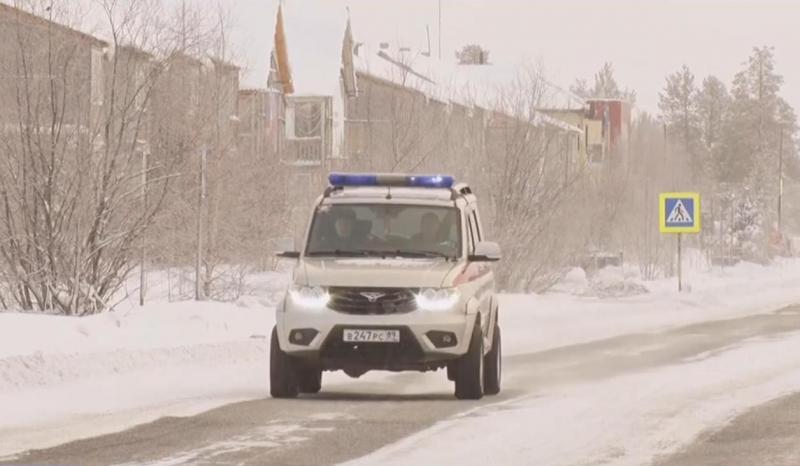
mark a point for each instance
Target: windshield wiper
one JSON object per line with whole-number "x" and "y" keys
{"x": 339, "y": 253}
{"x": 420, "y": 253}
{"x": 376, "y": 253}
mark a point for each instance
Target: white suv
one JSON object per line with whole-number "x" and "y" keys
{"x": 394, "y": 275}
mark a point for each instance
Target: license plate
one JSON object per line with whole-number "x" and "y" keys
{"x": 371, "y": 336}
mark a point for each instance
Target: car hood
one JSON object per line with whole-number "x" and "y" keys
{"x": 372, "y": 272}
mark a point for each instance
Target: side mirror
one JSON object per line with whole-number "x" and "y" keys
{"x": 485, "y": 251}
{"x": 286, "y": 249}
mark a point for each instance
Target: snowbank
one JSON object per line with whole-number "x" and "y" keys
{"x": 111, "y": 371}
{"x": 568, "y": 316}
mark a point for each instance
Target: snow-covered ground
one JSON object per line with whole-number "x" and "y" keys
{"x": 630, "y": 419}
{"x": 573, "y": 312}
{"x": 108, "y": 372}
{"x": 625, "y": 420}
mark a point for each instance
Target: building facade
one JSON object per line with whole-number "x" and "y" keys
{"x": 48, "y": 72}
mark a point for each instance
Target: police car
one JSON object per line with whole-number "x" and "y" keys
{"x": 395, "y": 274}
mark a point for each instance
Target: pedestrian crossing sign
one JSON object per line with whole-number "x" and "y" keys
{"x": 679, "y": 212}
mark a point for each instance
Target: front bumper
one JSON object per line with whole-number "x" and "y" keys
{"x": 420, "y": 347}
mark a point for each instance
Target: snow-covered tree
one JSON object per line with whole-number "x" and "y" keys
{"x": 604, "y": 86}
{"x": 472, "y": 54}
{"x": 751, "y": 134}
{"x": 747, "y": 230}
{"x": 678, "y": 103}
{"x": 713, "y": 104}
{"x": 748, "y": 156}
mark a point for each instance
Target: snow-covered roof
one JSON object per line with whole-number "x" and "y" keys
{"x": 492, "y": 87}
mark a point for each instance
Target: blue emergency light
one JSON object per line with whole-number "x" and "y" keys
{"x": 391, "y": 179}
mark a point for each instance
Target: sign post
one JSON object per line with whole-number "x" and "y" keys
{"x": 679, "y": 213}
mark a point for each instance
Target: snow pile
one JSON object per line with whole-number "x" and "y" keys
{"x": 42, "y": 350}
{"x": 612, "y": 282}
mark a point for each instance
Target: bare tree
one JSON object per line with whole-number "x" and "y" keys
{"x": 531, "y": 176}
{"x": 71, "y": 189}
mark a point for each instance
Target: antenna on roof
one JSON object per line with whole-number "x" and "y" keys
{"x": 428, "y": 31}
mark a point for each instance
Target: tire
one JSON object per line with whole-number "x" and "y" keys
{"x": 309, "y": 379}
{"x": 469, "y": 368}
{"x": 282, "y": 378}
{"x": 493, "y": 365}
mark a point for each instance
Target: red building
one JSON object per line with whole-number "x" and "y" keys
{"x": 616, "y": 117}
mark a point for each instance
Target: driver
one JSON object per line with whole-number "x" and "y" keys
{"x": 344, "y": 226}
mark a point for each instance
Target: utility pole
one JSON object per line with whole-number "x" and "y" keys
{"x": 143, "y": 258}
{"x": 440, "y": 29}
{"x": 201, "y": 196}
{"x": 780, "y": 178}
{"x": 183, "y": 26}
{"x": 680, "y": 263}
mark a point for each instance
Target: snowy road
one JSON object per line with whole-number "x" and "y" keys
{"x": 765, "y": 435}
{"x": 623, "y": 400}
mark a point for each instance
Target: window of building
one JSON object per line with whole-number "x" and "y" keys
{"x": 307, "y": 120}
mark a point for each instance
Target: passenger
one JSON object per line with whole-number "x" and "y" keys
{"x": 428, "y": 237}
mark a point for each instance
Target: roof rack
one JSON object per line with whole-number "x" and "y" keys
{"x": 462, "y": 188}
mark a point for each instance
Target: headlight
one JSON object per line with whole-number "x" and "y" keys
{"x": 437, "y": 299}
{"x": 312, "y": 297}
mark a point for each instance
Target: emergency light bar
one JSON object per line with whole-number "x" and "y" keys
{"x": 391, "y": 179}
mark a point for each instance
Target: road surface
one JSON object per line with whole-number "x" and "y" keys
{"x": 352, "y": 418}
{"x": 767, "y": 435}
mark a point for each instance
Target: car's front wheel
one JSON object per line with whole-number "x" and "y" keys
{"x": 469, "y": 368}
{"x": 282, "y": 376}
{"x": 309, "y": 379}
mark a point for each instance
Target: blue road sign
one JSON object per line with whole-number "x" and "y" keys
{"x": 680, "y": 213}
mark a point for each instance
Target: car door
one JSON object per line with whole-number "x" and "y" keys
{"x": 481, "y": 275}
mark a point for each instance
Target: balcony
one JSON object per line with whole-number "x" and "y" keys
{"x": 304, "y": 152}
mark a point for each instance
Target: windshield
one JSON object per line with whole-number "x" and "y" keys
{"x": 385, "y": 230}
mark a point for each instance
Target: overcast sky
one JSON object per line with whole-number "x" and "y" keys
{"x": 645, "y": 40}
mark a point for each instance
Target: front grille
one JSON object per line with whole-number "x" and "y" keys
{"x": 372, "y": 301}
